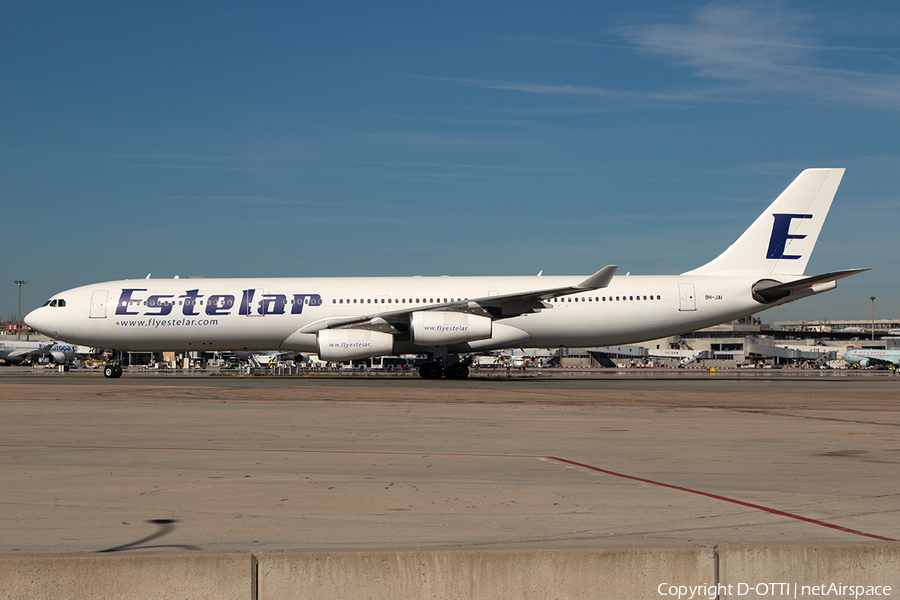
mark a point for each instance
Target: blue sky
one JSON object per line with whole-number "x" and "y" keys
{"x": 355, "y": 138}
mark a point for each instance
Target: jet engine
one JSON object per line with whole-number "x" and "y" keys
{"x": 864, "y": 362}
{"x": 441, "y": 328}
{"x": 339, "y": 345}
{"x": 59, "y": 358}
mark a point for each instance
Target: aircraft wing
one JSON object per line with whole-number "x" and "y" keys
{"x": 29, "y": 353}
{"x": 497, "y": 307}
{"x": 872, "y": 360}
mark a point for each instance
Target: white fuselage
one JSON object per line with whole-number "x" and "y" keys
{"x": 281, "y": 313}
{"x": 869, "y": 357}
{"x": 16, "y": 351}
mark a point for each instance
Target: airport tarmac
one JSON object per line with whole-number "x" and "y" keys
{"x": 265, "y": 463}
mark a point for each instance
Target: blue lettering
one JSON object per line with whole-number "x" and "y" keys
{"x": 301, "y": 299}
{"x": 164, "y": 307}
{"x": 213, "y": 308}
{"x": 190, "y": 300}
{"x": 160, "y": 305}
{"x": 125, "y": 299}
{"x": 780, "y": 235}
{"x": 272, "y": 304}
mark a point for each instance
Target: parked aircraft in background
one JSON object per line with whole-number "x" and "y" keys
{"x": 872, "y": 358}
{"x": 15, "y": 352}
{"x": 349, "y": 318}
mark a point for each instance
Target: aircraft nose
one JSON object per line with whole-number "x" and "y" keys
{"x": 38, "y": 320}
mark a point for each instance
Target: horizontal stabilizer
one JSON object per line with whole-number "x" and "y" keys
{"x": 768, "y": 291}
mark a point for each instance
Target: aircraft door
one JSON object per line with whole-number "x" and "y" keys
{"x": 686, "y": 300}
{"x": 98, "y": 304}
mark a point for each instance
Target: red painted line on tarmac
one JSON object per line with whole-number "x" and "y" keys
{"x": 773, "y": 511}
{"x": 767, "y": 509}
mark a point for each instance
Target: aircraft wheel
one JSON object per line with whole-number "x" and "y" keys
{"x": 431, "y": 370}
{"x": 109, "y": 371}
{"x": 118, "y": 370}
{"x": 456, "y": 371}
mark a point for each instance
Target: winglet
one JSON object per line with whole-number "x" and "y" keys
{"x": 600, "y": 279}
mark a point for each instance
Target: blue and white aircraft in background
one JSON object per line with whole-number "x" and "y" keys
{"x": 872, "y": 358}
{"x": 349, "y": 318}
{"x": 15, "y": 352}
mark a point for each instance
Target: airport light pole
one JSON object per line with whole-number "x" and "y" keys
{"x": 19, "y": 283}
{"x": 872, "y": 298}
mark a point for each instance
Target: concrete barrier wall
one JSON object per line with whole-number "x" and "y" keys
{"x": 783, "y": 571}
{"x": 451, "y": 575}
{"x": 139, "y": 576}
{"x": 725, "y": 572}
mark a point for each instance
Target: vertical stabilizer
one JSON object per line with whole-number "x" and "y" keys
{"x": 782, "y": 239}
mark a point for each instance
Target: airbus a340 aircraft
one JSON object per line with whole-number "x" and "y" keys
{"x": 351, "y": 318}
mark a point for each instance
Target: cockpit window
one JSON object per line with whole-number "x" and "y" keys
{"x": 61, "y": 302}
{"x": 53, "y": 303}
{"x": 47, "y": 303}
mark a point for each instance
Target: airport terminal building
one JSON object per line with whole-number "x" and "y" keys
{"x": 745, "y": 344}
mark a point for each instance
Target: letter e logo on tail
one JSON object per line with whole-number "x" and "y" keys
{"x": 780, "y": 235}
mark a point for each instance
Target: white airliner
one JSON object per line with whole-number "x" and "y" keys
{"x": 872, "y": 358}
{"x": 15, "y": 351}
{"x": 350, "y": 318}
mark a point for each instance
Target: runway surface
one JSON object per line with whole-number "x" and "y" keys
{"x": 227, "y": 463}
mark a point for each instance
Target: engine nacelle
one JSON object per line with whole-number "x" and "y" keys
{"x": 864, "y": 363}
{"x": 441, "y": 328}
{"x": 339, "y": 345}
{"x": 59, "y": 358}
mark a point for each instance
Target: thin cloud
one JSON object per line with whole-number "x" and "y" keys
{"x": 763, "y": 49}
{"x": 569, "y": 89}
{"x": 417, "y": 138}
{"x": 730, "y": 41}
{"x": 561, "y": 41}
{"x": 750, "y": 52}
{"x": 270, "y": 200}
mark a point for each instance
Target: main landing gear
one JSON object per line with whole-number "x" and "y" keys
{"x": 434, "y": 370}
{"x": 112, "y": 370}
